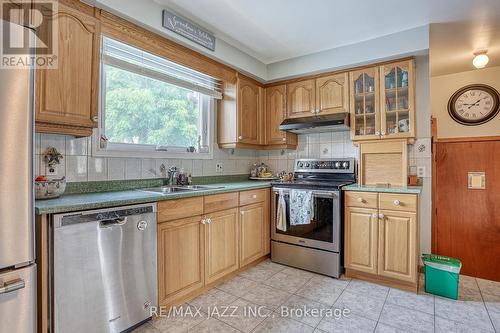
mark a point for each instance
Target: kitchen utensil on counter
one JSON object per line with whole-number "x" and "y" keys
{"x": 50, "y": 188}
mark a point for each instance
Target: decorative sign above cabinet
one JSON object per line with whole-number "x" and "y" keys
{"x": 475, "y": 104}
{"x": 188, "y": 29}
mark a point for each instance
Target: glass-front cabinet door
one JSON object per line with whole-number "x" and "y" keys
{"x": 364, "y": 101}
{"x": 397, "y": 100}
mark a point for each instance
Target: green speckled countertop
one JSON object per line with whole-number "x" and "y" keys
{"x": 86, "y": 201}
{"x": 384, "y": 189}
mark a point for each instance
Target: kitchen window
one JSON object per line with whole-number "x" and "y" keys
{"x": 150, "y": 106}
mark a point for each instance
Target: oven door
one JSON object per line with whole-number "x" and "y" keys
{"x": 323, "y": 232}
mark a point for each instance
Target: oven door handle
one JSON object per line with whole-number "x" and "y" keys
{"x": 315, "y": 193}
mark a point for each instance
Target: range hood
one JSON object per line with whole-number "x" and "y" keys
{"x": 337, "y": 122}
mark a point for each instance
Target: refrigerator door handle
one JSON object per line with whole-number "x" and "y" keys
{"x": 12, "y": 286}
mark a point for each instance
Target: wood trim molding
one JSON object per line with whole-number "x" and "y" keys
{"x": 77, "y": 131}
{"x": 468, "y": 139}
{"x": 323, "y": 74}
{"x": 126, "y": 31}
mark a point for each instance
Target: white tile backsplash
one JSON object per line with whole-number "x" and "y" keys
{"x": 116, "y": 168}
{"x": 76, "y": 168}
{"x": 133, "y": 168}
{"x": 97, "y": 168}
{"x": 76, "y": 146}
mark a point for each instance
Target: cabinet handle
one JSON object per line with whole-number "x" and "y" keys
{"x": 397, "y": 202}
{"x": 381, "y": 216}
{"x": 360, "y": 200}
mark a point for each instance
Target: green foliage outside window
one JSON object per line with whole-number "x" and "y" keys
{"x": 142, "y": 110}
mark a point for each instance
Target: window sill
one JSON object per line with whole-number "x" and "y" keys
{"x": 150, "y": 154}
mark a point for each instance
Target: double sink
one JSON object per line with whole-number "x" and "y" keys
{"x": 165, "y": 190}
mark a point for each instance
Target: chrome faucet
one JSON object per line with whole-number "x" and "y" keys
{"x": 171, "y": 174}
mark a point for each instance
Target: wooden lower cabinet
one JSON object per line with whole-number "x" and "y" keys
{"x": 181, "y": 255}
{"x": 252, "y": 224}
{"x": 221, "y": 244}
{"x": 361, "y": 239}
{"x": 397, "y": 245}
{"x": 381, "y": 244}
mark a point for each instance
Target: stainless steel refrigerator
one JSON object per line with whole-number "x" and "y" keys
{"x": 17, "y": 243}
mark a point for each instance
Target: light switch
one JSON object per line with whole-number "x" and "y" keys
{"x": 477, "y": 180}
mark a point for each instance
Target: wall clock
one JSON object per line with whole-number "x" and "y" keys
{"x": 474, "y": 104}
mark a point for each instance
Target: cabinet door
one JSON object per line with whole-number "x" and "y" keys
{"x": 397, "y": 94}
{"x": 397, "y": 245}
{"x": 67, "y": 95}
{"x": 180, "y": 258}
{"x": 221, "y": 244}
{"x": 364, "y": 104}
{"x": 249, "y": 112}
{"x": 361, "y": 239}
{"x": 301, "y": 99}
{"x": 275, "y": 114}
{"x": 332, "y": 94}
{"x": 252, "y": 219}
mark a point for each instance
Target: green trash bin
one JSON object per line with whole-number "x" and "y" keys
{"x": 441, "y": 275}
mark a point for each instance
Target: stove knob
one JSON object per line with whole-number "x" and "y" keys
{"x": 306, "y": 165}
{"x": 337, "y": 165}
{"x": 345, "y": 165}
{"x": 300, "y": 164}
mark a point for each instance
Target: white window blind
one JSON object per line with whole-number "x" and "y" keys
{"x": 132, "y": 59}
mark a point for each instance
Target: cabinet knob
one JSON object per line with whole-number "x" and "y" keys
{"x": 95, "y": 118}
{"x": 397, "y": 202}
{"x": 383, "y": 133}
{"x": 240, "y": 138}
{"x": 254, "y": 196}
{"x": 375, "y": 215}
{"x": 381, "y": 216}
{"x": 284, "y": 139}
{"x": 203, "y": 221}
{"x": 360, "y": 200}
{"x": 242, "y": 213}
{"x": 377, "y": 133}
{"x": 318, "y": 111}
{"x": 313, "y": 111}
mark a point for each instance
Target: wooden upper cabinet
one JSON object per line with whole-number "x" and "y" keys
{"x": 332, "y": 94}
{"x": 397, "y": 93}
{"x": 67, "y": 96}
{"x": 398, "y": 245}
{"x": 301, "y": 100}
{"x": 275, "y": 114}
{"x": 221, "y": 244}
{"x": 361, "y": 239}
{"x": 180, "y": 258}
{"x": 249, "y": 112}
{"x": 364, "y": 104}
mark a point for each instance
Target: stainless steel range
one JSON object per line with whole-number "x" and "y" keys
{"x": 317, "y": 244}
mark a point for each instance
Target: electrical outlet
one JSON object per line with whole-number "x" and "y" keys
{"x": 51, "y": 171}
{"x": 421, "y": 171}
{"x": 218, "y": 168}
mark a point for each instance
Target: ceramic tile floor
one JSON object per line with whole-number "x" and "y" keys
{"x": 291, "y": 300}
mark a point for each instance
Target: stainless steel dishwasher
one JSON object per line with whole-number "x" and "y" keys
{"x": 103, "y": 269}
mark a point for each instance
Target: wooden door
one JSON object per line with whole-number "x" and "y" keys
{"x": 361, "y": 239}
{"x": 364, "y": 104}
{"x": 249, "y": 112}
{"x": 332, "y": 94}
{"x": 252, "y": 219}
{"x": 67, "y": 95}
{"x": 397, "y": 249}
{"x": 301, "y": 100}
{"x": 221, "y": 244}
{"x": 180, "y": 258}
{"x": 397, "y": 93}
{"x": 275, "y": 114}
{"x": 466, "y": 222}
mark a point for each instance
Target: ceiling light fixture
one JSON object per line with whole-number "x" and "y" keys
{"x": 480, "y": 59}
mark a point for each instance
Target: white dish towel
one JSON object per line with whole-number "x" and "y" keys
{"x": 281, "y": 214}
{"x": 301, "y": 207}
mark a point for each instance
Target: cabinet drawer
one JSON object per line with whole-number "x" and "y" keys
{"x": 217, "y": 202}
{"x": 177, "y": 209}
{"x": 251, "y": 197}
{"x": 361, "y": 199}
{"x": 396, "y": 201}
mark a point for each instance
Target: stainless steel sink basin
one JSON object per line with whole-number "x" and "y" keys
{"x": 179, "y": 189}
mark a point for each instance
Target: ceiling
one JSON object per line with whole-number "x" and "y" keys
{"x": 276, "y": 30}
